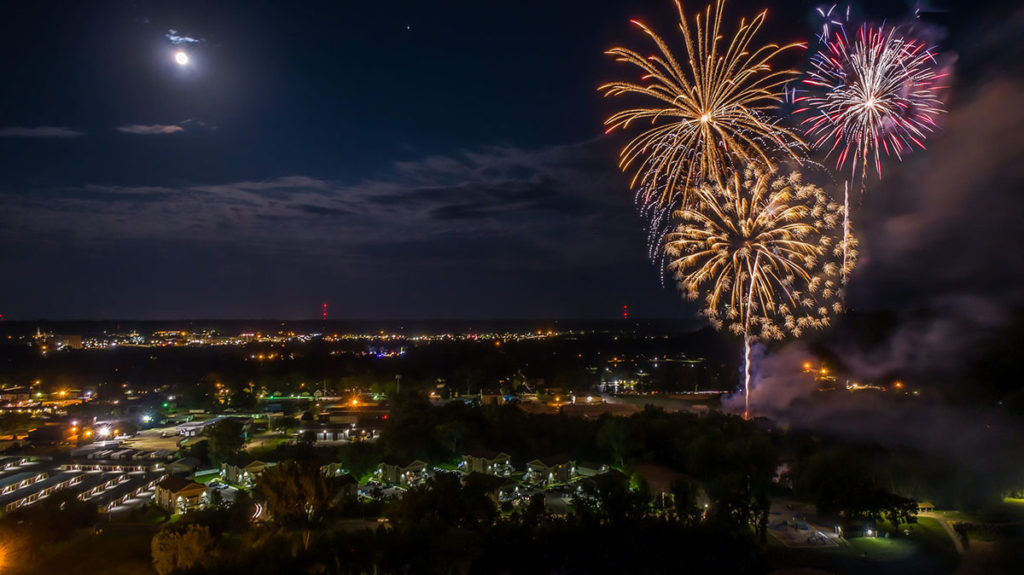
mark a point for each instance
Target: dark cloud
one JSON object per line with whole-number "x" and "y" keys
{"x": 39, "y": 132}
{"x": 322, "y": 210}
{"x": 549, "y": 205}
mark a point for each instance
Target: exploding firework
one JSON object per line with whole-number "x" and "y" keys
{"x": 762, "y": 253}
{"x": 707, "y": 115}
{"x": 878, "y": 94}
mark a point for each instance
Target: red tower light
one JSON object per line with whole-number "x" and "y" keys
{"x": 323, "y": 311}
{"x": 625, "y": 312}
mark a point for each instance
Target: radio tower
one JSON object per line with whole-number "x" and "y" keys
{"x": 625, "y": 312}
{"x": 323, "y": 311}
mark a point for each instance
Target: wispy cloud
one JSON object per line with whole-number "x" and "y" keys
{"x": 176, "y": 38}
{"x": 150, "y": 129}
{"x": 39, "y": 132}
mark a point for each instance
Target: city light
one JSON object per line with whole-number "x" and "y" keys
{"x": 103, "y": 431}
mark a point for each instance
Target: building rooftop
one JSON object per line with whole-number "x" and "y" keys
{"x": 175, "y": 484}
{"x": 553, "y": 460}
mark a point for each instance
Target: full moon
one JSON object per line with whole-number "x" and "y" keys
{"x": 181, "y": 58}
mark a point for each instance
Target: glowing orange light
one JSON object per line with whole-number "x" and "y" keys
{"x": 898, "y": 385}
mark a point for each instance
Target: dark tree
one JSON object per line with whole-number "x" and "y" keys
{"x": 225, "y": 439}
{"x": 297, "y": 495}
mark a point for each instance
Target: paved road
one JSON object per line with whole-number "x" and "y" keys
{"x": 948, "y": 529}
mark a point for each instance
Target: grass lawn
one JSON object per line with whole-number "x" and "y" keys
{"x": 117, "y": 550}
{"x": 882, "y": 549}
{"x": 266, "y": 446}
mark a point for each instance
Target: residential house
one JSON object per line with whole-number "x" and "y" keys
{"x": 403, "y": 473}
{"x": 241, "y": 469}
{"x": 487, "y": 462}
{"x": 179, "y": 495}
{"x": 553, "y": 469}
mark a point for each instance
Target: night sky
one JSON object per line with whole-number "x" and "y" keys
{"x": 409, "y": 160}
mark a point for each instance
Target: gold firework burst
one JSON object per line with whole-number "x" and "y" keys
{"x": 708, "y": 117}
{"x": 764, "y": 251}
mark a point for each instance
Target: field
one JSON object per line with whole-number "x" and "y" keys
{"x": 927, "y": 550}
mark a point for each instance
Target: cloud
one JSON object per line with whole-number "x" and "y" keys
{"x": 177, "y": 39}
{"x": 39, "y": 132}
{"x": 150, "y": 129}
{"x": 507, "y": 208}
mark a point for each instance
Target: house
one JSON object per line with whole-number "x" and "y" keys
{"x": 487, "y": 462}
{"x": 183, "y": 466}
{"x": 400, "y": 472}
{"x": 242, "y": 470}
{"x": 179, "y": 495}
{"x": 591, "y": 469}
{"x": 925, "y": 507}
{"x": 553, "y": 469}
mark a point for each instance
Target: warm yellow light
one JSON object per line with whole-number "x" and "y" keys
{"x": 898, "y": 385}
{"x": 807, "y": 366}
{"x": 824, "y": 371}
{"x": 355, "y": 402}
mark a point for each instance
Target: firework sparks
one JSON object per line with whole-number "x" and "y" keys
{"x": 762, "y": 252}
{"x": 707, "y": 115}
{"x": 878, "y": 94}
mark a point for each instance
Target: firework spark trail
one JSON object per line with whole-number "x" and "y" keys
{"x": 708, "y": 116}
{"x": 746, "y": 340}
{"x": 763, "y": 252}
{"x": 846, "y": 229}
{"x": 829, "y": 20}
